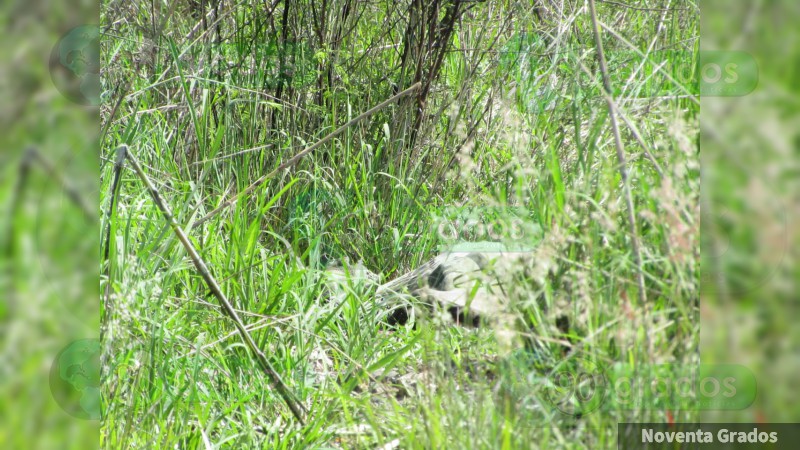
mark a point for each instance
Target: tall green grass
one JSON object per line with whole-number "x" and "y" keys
{"x": 516, "y": 118}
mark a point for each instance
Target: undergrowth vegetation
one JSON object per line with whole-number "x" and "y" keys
{"x": 511, "y": 114}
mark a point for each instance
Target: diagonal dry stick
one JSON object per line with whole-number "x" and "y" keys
{"x": 622, "y": 163}
{"x": 293, "y": 160}
{"x": 294, "y": 405}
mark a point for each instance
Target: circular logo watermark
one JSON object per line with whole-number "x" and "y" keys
{"x": 578, "y": 386}
{"x": 574, "y": 386}
{"x": 75, "y": 379}
{"x": 75, "y": 65}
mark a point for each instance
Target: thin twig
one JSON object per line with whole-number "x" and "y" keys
{"x": 291, "y": 401}
{"x": 623, "y": 170}
{"x": 122, "y": 92}
{"x": 293, "y": 160}
{"x": 625, "y": 5}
